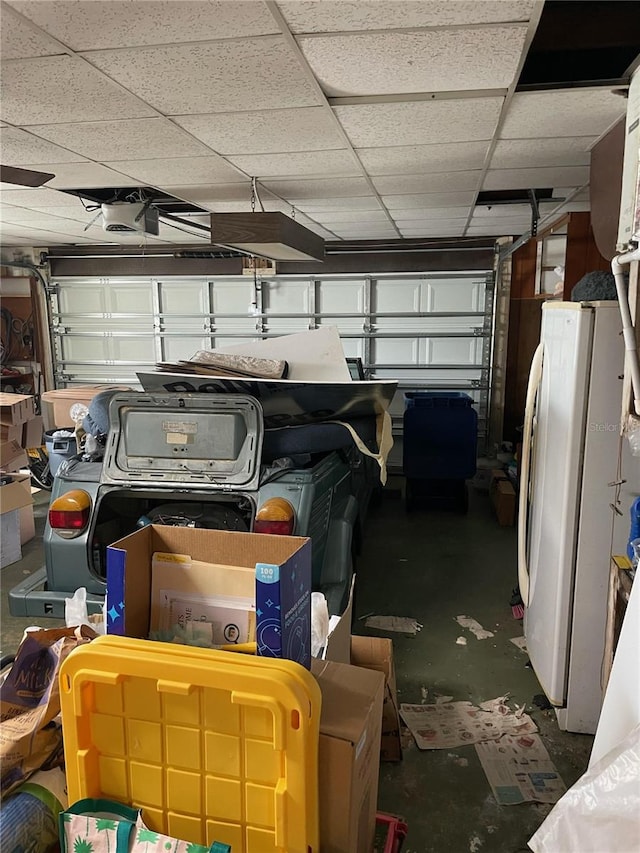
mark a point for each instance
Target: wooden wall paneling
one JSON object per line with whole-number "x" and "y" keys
{"x": 582, "y": 253}
{"x": 605, "y": 189}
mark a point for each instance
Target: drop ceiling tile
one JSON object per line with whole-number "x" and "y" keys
{"x": 219, "y": 198}
{"x": 265, "y": 131}
{"x": 437, "y": 182}
{"x": 433, "y": 230}
{"x": 76, "y": 175}
{"x": 426, "y": 61}
{"x": 372, "y": 234}
{"x": 572, "y": 207}
{"x": 130, "y": 139}
{"x": 61, "y": 89}
{"x": 502, "y": 211}
{"x": 76, "y": 212}
{"x": 562, "y": 112}
{"x": 335, "y": 216}
{"x": 314, "y": 189}
{"x": 359, "y": 225}
{"x": 566, "y": 151}
{"x": 307, "y": 16}
{"x": 420, "y": 122}
{"x": 84, "y": 26}
{"x": 19, "y": 40}
{"x": 494, "y": 231}
{"x": 417, "y": 224}
{"x": 298, "y": 164}
{"x": 508, "y": 179}
{"x": 37, "y": 197}
{"x": 431, "y": 213}
{"x": 426, "y": 200}
{"x": 254, "y": 73}
{"x": 20, "y": 147}
{"x": 322, "y": 205}
{"x": 454, "y": 157}
{"x": 511, "y": 225}
{"x": 179, "y": 170}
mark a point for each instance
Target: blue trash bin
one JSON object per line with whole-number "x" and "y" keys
{"x": 439, "y": 445}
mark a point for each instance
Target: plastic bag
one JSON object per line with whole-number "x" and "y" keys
{"x": 602, "y": 810}
{"x": 319, "y": 623}
{"x": 76, "y": 613}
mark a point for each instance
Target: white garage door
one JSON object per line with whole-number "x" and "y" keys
{"x": 429, "y": 331}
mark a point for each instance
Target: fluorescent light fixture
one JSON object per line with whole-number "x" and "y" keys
{"x": 268, "y": 235}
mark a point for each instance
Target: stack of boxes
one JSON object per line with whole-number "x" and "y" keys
{"x": 20, "y": 428}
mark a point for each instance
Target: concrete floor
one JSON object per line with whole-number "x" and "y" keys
{"x": 431, "y": 566}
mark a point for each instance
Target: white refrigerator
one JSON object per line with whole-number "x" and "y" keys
{"x": 570, "y": 453}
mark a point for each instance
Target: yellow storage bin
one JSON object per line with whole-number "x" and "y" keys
{"x": 211, "y": 745}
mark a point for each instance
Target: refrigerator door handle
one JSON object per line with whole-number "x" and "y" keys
{"x": 535, "y": 377}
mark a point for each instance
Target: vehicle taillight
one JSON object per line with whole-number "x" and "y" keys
{"x": 275, "y": 516}
{"x": 69, "y": 514}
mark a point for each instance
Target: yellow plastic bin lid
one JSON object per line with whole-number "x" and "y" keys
{"x": 213, "y": 746}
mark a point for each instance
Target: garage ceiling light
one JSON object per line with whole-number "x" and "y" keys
{"x": 268, "y": 235}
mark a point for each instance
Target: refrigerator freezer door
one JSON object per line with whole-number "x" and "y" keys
{"x": 599, "y": 470}
{"x": 555, "y": 478}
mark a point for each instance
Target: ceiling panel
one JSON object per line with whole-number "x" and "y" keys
{"x": 420, "y": 122}
{"x": 510, "y": 179}
{"x": 319, "y": 205}
{"x": 179, "y": 170}
{"x": 20, "y": 147}
{"x": 255, "y": 73}
{"x": 437, "y": 182}
{"x": 131, "y": 139}
{"x": 505, "y": 211}
{"x": 61, "y": 89}
{"x": 307, "y": 16}
{"x": 19, "y": 40}
{"x": 454, "y": 157}
{"x": 265, "y": 131}
{"x": 493, "y": 231}
{"x": 84, "y": 26}
{"x": 433, "y": 231}
{"x": 207, "y": 195}
{"x": 311, "y": 189}
{"x": 567, "y": 151}
{"x": 441, "y": 223}
{"x": 425, "y": 61}
{"x": 332, "y": 217}
{"x": 571, "y": 112}
{"x": 298, "y": 164}
{"x": 76, "y": 175}
{"x": 23, "y": 214}
{"x": 425, "y": 200}
{"x": 38, "y": 197}
{"x": 431, "y": 213}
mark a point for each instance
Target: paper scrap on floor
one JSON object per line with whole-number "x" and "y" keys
{"x": 475, "y": 627}
{"x": 520, "y": 642}
{"x": 447, "y": 725}
{"x": 519, "y": 770}
{"x": 399, "y": 624}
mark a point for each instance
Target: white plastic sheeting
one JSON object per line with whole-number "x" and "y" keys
{"x": 602, "y": 810}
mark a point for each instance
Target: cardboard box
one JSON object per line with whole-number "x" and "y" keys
{"x": 56, "y": 405}
{"x": 15, "y": 408}
{"x": 27, "y": 521}
{"x": 11, "y": 433}
{"x": 376, "y": 653}
{"x": 349, "y": 753}
{"x": 338, "y": 647}
{"x": 33, "y": 432}
{"x": 282, "y": 566}
{"x": 13, "y": 498}
{"x": 503, "y": 497}
{"x": 12, "y": 456}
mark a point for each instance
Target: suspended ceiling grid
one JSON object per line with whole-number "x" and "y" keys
{"x": 371, "y": 119}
